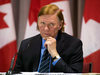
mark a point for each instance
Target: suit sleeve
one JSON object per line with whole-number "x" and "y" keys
{"x": 75, "y": 62}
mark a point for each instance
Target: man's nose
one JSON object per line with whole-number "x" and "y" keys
{"x": 46, "y": 27}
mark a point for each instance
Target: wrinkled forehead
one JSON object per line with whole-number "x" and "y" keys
{"x": 49, "y": 18}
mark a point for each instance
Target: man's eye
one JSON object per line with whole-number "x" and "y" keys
{"x": 42, "y": 23}
{"x": 52, "y": 24}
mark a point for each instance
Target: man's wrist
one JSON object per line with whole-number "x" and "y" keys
{"x": 56, "y": 57}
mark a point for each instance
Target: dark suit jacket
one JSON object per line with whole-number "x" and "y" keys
{"x": 68, "y": 47}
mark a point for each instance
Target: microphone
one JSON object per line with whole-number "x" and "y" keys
{"x": 10, "y": 72}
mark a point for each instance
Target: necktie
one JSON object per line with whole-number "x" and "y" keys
{"x": 44, "y": 66}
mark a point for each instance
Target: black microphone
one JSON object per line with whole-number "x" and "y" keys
{"x": 10, "y": 72}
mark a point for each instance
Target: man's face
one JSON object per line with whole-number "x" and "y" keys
{"x": 49, "y": 26}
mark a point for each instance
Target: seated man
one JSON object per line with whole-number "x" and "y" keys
{"x": 63, "y": 52}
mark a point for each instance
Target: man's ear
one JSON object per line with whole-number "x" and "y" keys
{"x": 60, "y": 26}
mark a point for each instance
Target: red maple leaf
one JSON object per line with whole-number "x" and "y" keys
{"x": 35, "y": 7}
{"x": 2, "y": 22}
{"x": 92, "y": 10}
{"x": 4, "y": 2}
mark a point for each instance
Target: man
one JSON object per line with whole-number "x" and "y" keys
{"x": 65, "y": 51}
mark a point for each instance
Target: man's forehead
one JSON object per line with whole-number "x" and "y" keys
{"x": 48, "y": 17}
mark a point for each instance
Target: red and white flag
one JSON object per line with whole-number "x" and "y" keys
{"x": 90, "y": 34}
{"x": 8, "y": 45}
{"x": 35, "y": 7}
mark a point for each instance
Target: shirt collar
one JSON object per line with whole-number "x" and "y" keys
{"x": 43, "y": 42}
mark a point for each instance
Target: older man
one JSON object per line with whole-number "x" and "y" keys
{"x": 52, "y": 50}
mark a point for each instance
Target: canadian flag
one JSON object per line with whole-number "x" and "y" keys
{"x": 8, "y": 45}
{"x": 35, "y": 7}
{"x": 90, "y": 34}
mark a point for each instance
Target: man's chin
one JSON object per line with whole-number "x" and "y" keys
{"x": 45, "y": 38}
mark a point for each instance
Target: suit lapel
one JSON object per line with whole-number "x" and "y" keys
{"x": 60, "y": 43}
{"x": 36, "y": 51}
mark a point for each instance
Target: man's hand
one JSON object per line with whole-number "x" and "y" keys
{"x": 50, "y": 44}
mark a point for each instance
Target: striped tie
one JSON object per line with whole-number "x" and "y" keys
{"x": 44, "y": 66}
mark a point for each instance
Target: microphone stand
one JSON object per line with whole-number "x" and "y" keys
{"x": 10, "y": 71}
